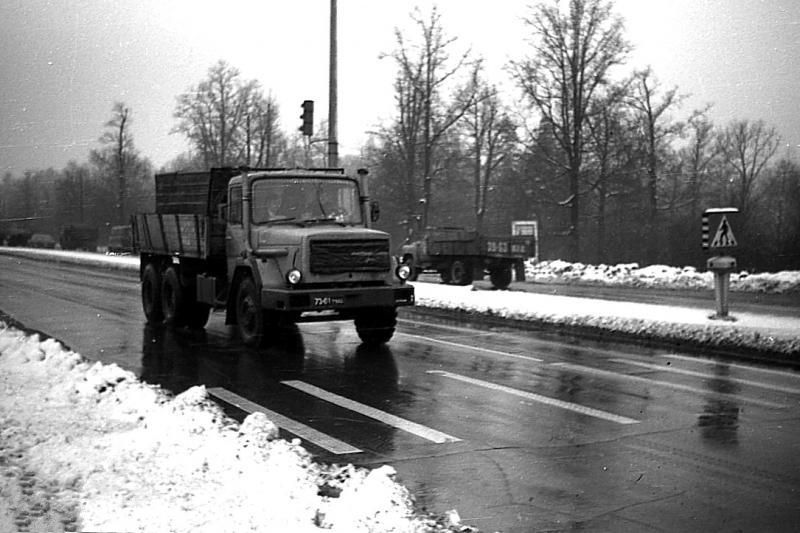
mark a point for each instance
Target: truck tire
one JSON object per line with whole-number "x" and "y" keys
{"x": 461, "y": 273}
{"x": 376, "y": 326}
{"x": 252, "y": 322}
{"x": 500, "y": 276}
{"x": 173, "y": 304}
{"x": 151, "y": 294}
{"x": 408, "y": 259}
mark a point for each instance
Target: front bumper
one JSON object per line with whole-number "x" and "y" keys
{"x": 345, "y": 299}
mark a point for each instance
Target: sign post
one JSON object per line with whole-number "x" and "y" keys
{"x": 720, "y": 222}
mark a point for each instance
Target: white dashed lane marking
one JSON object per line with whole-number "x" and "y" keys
{"x": 577, "y": 408}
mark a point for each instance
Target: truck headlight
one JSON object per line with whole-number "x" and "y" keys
{"x": 294, "y": 276}
{"x": 403, "y": 272}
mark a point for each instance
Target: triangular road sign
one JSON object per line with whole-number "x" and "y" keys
{"x": 724, "y": 237}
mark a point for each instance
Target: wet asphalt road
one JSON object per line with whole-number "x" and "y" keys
{"x": 518, "y": 431}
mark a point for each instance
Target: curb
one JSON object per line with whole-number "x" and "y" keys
{"x": 649, "y": 340}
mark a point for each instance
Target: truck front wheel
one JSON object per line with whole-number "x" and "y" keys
{"x": 151, "y": 294}
{"x": 500, "y": 276}
{"x": 408, "y": 259}
{"x": 376, "y": 326}
{"x": 252, "y": 322}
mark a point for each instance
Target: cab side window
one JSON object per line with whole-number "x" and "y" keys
{"x": 235, "y": 205}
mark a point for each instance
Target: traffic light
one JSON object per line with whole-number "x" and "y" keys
{"x": 308, "y": 118}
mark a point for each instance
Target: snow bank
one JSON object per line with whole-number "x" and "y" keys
{"x": 88, "y": 447}
{"x": 677, "y": 325}
{"x": 657, "y": 276}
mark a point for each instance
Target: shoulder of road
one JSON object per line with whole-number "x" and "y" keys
{"x": 764, "y": 327}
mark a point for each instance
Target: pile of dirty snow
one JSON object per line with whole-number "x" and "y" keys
{"x": 88, "y": 447}
{"x": 657, "y": 276}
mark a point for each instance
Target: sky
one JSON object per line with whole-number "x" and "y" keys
{"x": 65, "y": 64}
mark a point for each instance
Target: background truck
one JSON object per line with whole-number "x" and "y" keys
{"x": 269, "y": 247}
{"x": 78, "y": 237}
{"x": 461, "y": 256}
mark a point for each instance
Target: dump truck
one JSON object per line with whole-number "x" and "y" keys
{"x": 269, "y": 247}
{"x": 460, "y": 255}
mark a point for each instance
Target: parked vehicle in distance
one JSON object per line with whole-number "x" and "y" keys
{"x": 461, "y": 256}
{"x": 18, "y": 237}
{"x": 120, "y": 240}
{"x": 269, "y": 247}
{"x": 78, "y": 237}
{"x": 41, "y": 240}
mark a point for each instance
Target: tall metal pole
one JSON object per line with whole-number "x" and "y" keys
{"x": 333, "y": 143}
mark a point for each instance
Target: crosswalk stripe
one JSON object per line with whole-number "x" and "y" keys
{"x": 309, "y": 434}
{"x": 577, "y": 408}
{"x": 667, "y": 384}
{"x": 684, "y": 372}
{"x": 370, "y": 412}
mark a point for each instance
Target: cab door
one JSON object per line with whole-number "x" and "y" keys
{"x": 234, "y": 232}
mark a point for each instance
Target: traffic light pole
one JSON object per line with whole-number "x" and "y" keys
{"x": 333, "y": 144}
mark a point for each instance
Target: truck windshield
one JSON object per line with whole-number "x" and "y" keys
{"x": 305, "y": 199}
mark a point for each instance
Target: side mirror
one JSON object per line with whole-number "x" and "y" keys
{"x": 374, "y": 211}
{"x": 222, "y": 211}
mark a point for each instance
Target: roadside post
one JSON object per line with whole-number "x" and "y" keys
{"x": 720, "y": 221}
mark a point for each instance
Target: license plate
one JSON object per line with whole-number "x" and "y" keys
{"x": 327, "y": 301}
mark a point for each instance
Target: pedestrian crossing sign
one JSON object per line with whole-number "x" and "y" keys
{"x": 720, "y": 220}
{"x": 724, "y": 237}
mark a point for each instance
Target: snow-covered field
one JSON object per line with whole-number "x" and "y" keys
{"x": 86, "y": 446}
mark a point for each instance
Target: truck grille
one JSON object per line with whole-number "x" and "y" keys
{"x": 333, "y": 257}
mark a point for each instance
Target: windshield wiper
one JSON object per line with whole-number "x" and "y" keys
{"x": 280, "y": 219}
{"x": 320, "y": 221}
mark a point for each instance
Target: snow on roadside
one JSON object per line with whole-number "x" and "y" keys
{"x": 657, "y": 276}
{"x": 686, "y": 326}
{"x": 89, "y": 447}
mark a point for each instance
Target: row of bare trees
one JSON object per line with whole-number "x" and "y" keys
{"x": 101, "y": 192}
{"x": 594, "y": 154}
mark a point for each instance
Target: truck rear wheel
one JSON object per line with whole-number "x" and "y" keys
{"x": 173, "y": 304}
{"x": 253, "y": 323}
{"x": 500, "y": 276}
{"x": 376, "y": 326}
{"x": 461, "y": 273}
{"x": 151, "y": 294}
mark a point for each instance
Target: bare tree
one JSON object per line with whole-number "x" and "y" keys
{"x": 213, "y": 115}
{"x": 118, "y": 161}
{"x": 493, "y": 139}
{"x": 657, "y": 129}
{"x": 573, "y": 50}
{"x": 425, "y": 72}
{"x": 746, "y": 147}
{"x": 264, "y": 139}
{"x": 698, "y": 155}
{"x": 610, "y": 149}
